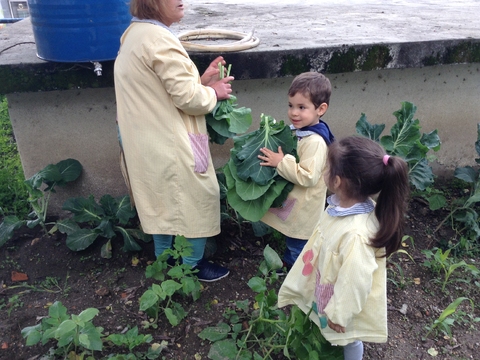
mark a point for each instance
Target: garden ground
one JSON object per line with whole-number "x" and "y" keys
{"x": 81, "y": 280}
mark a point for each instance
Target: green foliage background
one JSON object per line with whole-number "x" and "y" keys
{"x": 13, "y": 192}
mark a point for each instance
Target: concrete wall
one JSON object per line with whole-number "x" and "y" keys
{"x": 80, "y": 124}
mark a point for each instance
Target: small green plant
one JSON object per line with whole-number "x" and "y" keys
{"x": 175, "y": 280}
{"x": 398, "y": 278}
{"x": 263, "y": 331}
{"x": 54, "y": 284}
{"x": 447, "y": 318}
{"x": 464, "y": 216}
{"x": 435, "y": 197}
{"x": 51, "y": 176}
{"x": 440, "y": 263}
{"x": 132, "y": 339}
{"x": 71, "y": 332}
{"x": 106, "y": 219}
{"x": 406, "y": 141}
{"x": 14, "y": 302}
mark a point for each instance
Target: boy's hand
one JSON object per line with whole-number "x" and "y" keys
{"x": 271, "y": 158}
{"x": 335, "y": 327}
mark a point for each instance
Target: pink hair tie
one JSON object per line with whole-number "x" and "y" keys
{"x": 385, "y": 159}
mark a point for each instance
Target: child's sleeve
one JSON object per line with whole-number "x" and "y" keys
{"x": 312, "y": 153}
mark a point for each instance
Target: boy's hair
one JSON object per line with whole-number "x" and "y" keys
{"x": 365, "y": 170}
{"x": 312, "y": 85}
{"x": 147, "y": 9}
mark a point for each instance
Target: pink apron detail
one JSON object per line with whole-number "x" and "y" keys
{"x": 285, "y": 210}
{"x": 199, "y": 144}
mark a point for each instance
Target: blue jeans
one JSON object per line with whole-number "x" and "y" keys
{"x": 293, "y": 248}
{"x": 164, "y": 242}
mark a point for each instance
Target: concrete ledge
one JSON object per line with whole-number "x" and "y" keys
{"x": 331, "y": 38}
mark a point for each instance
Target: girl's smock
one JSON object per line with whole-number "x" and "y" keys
{"x": 160, "y": 108}
{"x": 300, "y": 212}
{"x": 340, "y": 276}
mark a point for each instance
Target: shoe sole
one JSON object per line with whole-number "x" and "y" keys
{"x": 216, "y": 279}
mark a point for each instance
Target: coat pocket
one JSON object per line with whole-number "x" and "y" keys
{"x": 199, "y": 144}
{"x": 285, "y": 210}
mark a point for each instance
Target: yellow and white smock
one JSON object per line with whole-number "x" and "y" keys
{"x": 341, "y": 277}
{"x": 160, "y": 108}
{"x": 300, "y": 212}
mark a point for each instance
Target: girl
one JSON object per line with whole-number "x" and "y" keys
{"x": 340, "y": 276}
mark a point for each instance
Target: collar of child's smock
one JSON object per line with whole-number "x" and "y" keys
{"x": 301, "y": 133}
{"x": 359, "y": 208}
{"x": 151, "y": 21}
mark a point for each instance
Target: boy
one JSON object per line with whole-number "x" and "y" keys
{"x": 309, "y": 96}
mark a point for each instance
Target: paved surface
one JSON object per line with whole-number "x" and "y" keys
{"x": 293, "y": 24}
{"x": 332, "y": 36}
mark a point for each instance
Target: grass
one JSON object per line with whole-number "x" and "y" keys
{"x": 13, "y": 193}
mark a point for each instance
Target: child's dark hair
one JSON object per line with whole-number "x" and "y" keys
{"x": 366, "y": 170}
{"x": 312, "y": 85}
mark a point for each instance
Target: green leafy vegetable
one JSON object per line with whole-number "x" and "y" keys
{"x": 251, "y": 188}
{"x": 407, "y": 142}
{"x": 227, "y": 119}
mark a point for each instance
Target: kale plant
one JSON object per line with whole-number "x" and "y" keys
{"x": 111, "y": 216}
{"x": 406, "y": 141}
{"x": 251, "y": 188}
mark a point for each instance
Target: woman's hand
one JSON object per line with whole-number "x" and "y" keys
{"x": 223, "y": 88}
{"x": 335, "y": 327}
{"x": 271, "y": 158}
{"x": 211, "y": 74}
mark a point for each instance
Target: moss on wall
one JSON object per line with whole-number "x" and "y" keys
{"x": 359, "y": 59}
{"x": 294, "y": 65}
{"x": 466, "y": 52}
{"x": 376, "y": 57}
{"x": 342, "y": 61}
{"x": 54, "y": 76}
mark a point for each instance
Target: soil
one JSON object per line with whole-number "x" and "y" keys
{"x": 81, "y": 280}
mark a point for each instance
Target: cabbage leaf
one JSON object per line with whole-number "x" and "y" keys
{"x": 251, "y": 188}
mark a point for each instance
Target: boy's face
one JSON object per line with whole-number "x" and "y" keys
{"x": 302, "y": 112}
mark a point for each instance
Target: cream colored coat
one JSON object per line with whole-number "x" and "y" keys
{"x": 160, "y": 108}
{"x": 339, "y": 275}
{"x": 300, "y": 213}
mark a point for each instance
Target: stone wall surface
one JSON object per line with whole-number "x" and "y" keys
{"x": 376, "y": 54}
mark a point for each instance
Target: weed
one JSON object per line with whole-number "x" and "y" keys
{"x": 14, "y": 302}
{"x": 447, "y": 318}
{"x": 54, "y": 284}
{"x": 440, "y": 263}
{"x": 398, "y": 278}
{"x": 13, "y": 192}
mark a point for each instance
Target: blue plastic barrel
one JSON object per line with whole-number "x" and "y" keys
{"x": 78, "y": 30}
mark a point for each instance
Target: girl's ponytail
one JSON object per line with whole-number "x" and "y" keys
{"x": 392, "y": 204}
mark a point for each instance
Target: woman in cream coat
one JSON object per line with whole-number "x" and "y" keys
{"x": 161, "y": 102}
